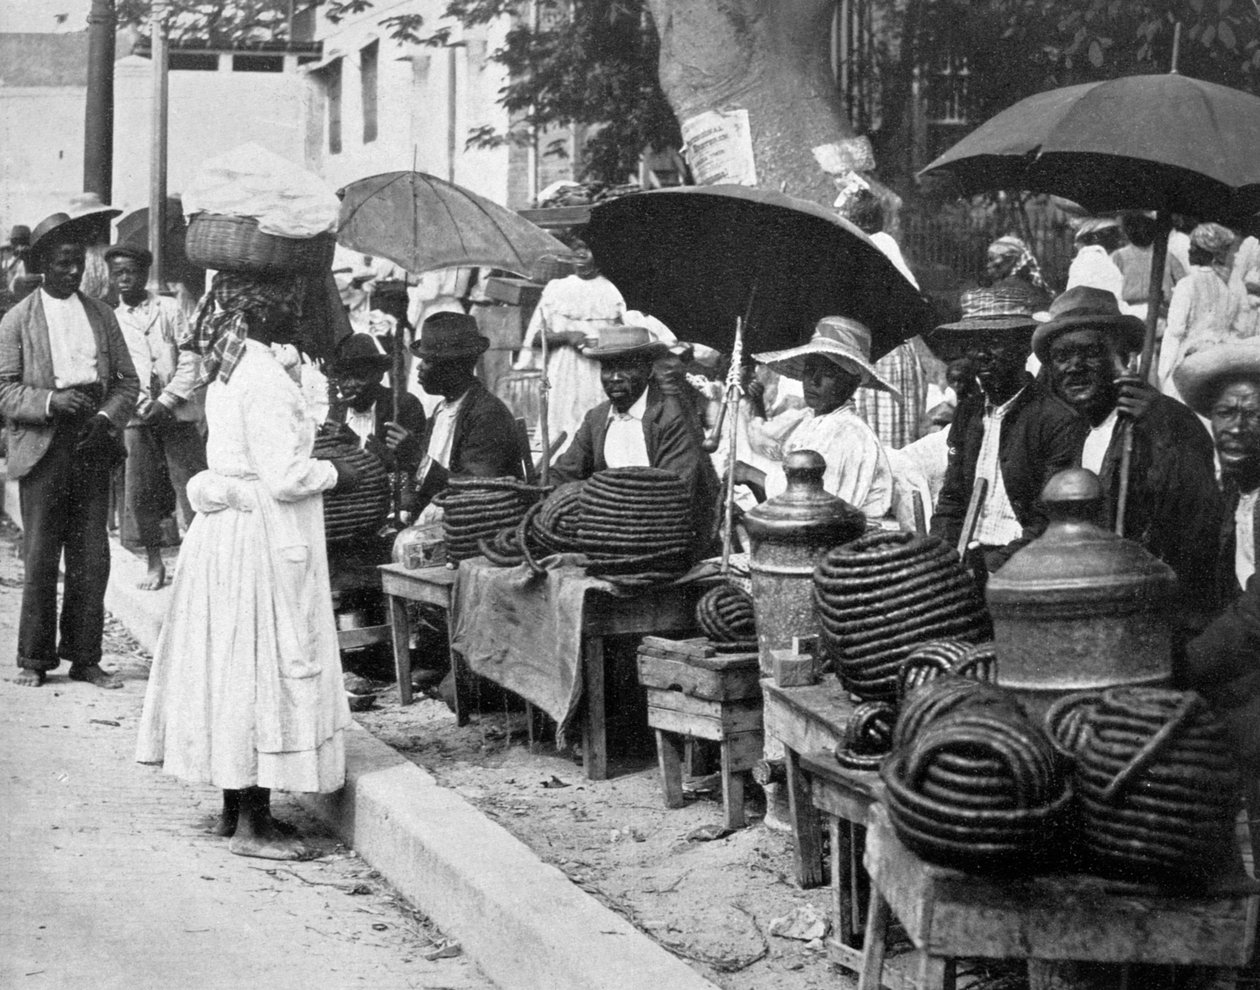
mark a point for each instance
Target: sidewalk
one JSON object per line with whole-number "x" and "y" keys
{"x": 109, "y": 879}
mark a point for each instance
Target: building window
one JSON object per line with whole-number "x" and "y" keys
{"x": 334, "y": 107}
{"x": 257, "y": 63}
{"x": 193, "y": 61}
{"x": 368, "y": 60}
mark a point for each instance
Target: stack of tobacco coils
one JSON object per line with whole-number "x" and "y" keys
{"x": 867, "y": 736}
{"x": 474, "y": 509}
{"x": 725, "y": 616}
{"x": 883, "y": 594}
{"x": 1067, "y": 721}
{"x": 978, "y": 787}
{"x": 359, "y": 512}
{"x": 635, "y": 525}
{"x": 942, "y": 657}
{"x": 1156, "y": 785}
{"x": 548, "y": 527}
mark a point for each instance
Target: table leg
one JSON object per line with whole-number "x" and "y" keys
{"x": 669, "y": 757}
{"x": 877, "y": 915}
{"x": 461, "y": 681}
{"x": 401, "y": 629}
{"x": 841, "y": 863}
{"x": 806, "y": 830}
{"x": 933, "y": 972}
{"x": 594, "y": 728}
{"x": 732, "y": 789}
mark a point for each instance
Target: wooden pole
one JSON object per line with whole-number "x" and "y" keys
{"x": 1155, "y": 300}
{"x": 734, "y": 391}
{"x": 544, "y": 412}
{"x": 396, "y": 376}
{"x": 98, "y": 110}
{"x": 157, "y": 160}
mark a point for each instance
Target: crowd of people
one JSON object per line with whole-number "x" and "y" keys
{"x": 211, "y": 413}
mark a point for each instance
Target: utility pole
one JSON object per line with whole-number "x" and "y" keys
{"x": 98, "y": 129}
{"x": 157, "y": 156}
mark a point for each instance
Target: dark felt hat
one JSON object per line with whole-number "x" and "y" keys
{"x": 133, "y": 251}
{"x": 19, "y": 233}
{"x": 447, "y": 336}
{"x": 1087, "y": 308}
{"x": 360, "y": 351}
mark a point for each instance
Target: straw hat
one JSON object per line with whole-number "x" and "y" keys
{"x": 1200, "y": 376}
{"x": 616, "y": 340}
{"x": 1001, "y": 307}
{"x": 844, "y": 341}
{"x": 1087, "y": 308}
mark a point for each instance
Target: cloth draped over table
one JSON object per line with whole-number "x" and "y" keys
{"x": 525, "y": 632}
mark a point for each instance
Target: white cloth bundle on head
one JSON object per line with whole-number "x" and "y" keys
{"x": 250, "y": 181}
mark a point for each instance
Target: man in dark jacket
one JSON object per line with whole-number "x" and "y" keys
{"x": 358, "y": 368}
{"x": 1173, "y": 510}
{"x": 1014, "y": 434}
{"x": 471, "y": 433}
{"x": 640, "y": 426}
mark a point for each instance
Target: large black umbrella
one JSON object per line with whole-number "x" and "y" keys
{"x": 1152, "y": 142}
{"x": 701, "y": 257}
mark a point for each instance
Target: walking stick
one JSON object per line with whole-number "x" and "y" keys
{"x": 978, "y": 492}
{"x": 1155, "y": 300}
{"x": 396, "y": 376}
{"x": 544, "y": 407}
{"x": 734, "y": 392}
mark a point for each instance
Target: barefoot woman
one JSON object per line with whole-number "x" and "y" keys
{"x": 245, "y": 691}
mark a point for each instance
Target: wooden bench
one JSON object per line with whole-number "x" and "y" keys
{"x": 1051, "y": 921}
{"x": 695, "y": 693}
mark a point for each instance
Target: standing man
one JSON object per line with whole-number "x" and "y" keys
{"x": 1173, "y": 509}
{"x": 67, "y": 389}
{"x": 163, "y": 437}
{"x": 1012, "y": 433}
{"x": 471, "y": 432}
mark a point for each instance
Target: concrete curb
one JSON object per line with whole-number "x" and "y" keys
{"x": 523, "y": 922}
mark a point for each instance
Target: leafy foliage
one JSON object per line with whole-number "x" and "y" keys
{"x": 215, "y": 23}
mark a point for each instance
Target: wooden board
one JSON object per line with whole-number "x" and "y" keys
{"x": 1088, "y": 919}
{"x": 807, "y": 719}
{"x": 678, "y": 675}
{"x": 675, "y": 712}
{"x": 837, "y": 790}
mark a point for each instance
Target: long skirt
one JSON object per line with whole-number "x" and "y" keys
{"x": 246, "y": 686}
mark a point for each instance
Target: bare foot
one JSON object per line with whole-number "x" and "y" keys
{"x": 156, "y": 577}
{"x": 266, "y": 847}
{"x": 95, "y": 674}
{"x": 29, "y": 678}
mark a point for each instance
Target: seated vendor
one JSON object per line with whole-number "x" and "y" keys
{"x": 471, "y": 433}
{"x": 1222, "y": 383}
{"x": 358, "y": 368}
{"x": 832, "y": 366}
{"x": 639, "y": 425}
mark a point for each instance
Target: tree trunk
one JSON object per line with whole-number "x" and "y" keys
{"x": 770, "y": 57}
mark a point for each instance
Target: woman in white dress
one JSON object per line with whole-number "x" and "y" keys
{"x": 245, "y": 691}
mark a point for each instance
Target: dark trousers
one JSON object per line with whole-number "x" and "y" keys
{"x": 160, "y": 460}
{"x": 65, "y": 509}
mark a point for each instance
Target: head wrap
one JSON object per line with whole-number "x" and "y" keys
{"x": 1213, "y": 238}
{"x": 1023, "y": 262}
{"x": 222, "y": 321}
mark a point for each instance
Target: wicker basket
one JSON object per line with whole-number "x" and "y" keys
{"x": 236, "y": 244}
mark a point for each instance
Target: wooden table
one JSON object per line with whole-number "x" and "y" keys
{"x": 664, "y": 611}
{"x": 1047, "y": 920}
{"x": 844, "y": 798}
{"x": 805, "y": 720}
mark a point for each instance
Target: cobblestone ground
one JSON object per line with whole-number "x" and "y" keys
{"x": 110, "y": 879}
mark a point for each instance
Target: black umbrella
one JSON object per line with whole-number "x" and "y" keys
{"x": 700, "y": 257}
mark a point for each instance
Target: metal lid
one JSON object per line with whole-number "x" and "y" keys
{"x": 1076, "y": 561}
{"x": 805, "y": 511}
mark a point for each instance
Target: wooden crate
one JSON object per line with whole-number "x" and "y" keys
{"x": 692, "y": 667}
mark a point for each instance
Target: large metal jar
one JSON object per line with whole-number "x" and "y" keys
{"x": 1080, "y": 608}
{"x": 790, "y": 534}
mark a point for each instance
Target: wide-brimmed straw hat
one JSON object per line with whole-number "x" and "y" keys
{"x": 617, "y": 340}
{"x": 61, "y": 228}
{"x": 1000, "y": 307}
{"x": 360, "y": 351}
{"x": 1087, "y": 308}
{"x": 447, "y": 336}
{"x": 838, "y": 338}
{"x": 1200, "y": 377}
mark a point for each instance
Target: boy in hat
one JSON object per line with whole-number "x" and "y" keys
{"x": 163, "y": 437}
{"x": 831, "y": 367}
{"x": 1012, "y": 433}
{"x": 1172, "y": 505}
{"x": 358, "y": 369}
{"x": 471, "y": 433}
{"x": 67, "y": 389}
{"x": 639, "y": 425}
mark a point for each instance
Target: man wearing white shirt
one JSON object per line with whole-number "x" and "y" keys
{"x": 1172, "y": 508}
{"x": 67, "y": 389}
{"x": 164, "y": 440}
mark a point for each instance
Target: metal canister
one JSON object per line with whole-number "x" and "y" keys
{"x": 1080, "y": 608}
{"x": 790, "y": 534}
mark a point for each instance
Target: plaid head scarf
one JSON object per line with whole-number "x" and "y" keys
{"x": 1022, "y": 261}
{"x": 222, "y": 321}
